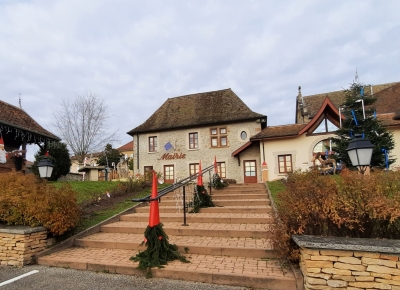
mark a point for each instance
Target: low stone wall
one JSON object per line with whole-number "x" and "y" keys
{"x": 19, "y": 244}
{"x": 347, "y": 263}
{"x": 71, "y": 177}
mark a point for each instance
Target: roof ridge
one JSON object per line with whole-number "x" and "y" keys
{"x": 340, "y": 91}
{"x": 285, "y": 125}
{"x": 12, "y": 105}
{"x": 201, "y": 93}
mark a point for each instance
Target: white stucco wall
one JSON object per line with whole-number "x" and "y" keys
{"x": 180, "y": 142}
{"x": 300, "y": 148}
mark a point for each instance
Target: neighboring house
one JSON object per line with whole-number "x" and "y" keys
{"x": 17, "y": 129}
{"x": 127, "y": 150}
{"x": 188, "y": 129}
{"x": 289, "y": 147}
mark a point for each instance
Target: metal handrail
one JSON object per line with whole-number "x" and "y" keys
{"x": 173, "y": 186}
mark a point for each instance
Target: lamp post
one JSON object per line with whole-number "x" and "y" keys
{"x": 360, "y": 152}
{"x": 45, "y": 166}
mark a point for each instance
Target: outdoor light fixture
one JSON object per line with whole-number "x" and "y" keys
{"x": 360, "y": 152}
{"x": 45, "y": 167}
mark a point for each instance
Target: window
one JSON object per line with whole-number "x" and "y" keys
{"x": 285, "y": 163}
{"x": 193, "y": 140}
{"x": 243, "y": 135}
{"x": 153, "y": 144}
{"x": 219, "y": 138}
{"x": 221, "y": 169}
{"x": 194, "y": 168}
{"x": 224, "y": 141}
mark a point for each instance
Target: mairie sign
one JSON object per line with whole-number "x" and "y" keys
{"x": 169, "y": 156}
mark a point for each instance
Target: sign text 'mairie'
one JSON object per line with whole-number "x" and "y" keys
{"x": 169, "y": 156}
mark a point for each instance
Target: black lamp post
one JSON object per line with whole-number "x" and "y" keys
{"x": 45, "y": 167}
{"x": 360, "y": 152}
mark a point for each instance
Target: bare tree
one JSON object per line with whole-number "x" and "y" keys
{"x": 82, "y": 124}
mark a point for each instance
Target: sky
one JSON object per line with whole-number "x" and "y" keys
{"x": 136, "y": 54}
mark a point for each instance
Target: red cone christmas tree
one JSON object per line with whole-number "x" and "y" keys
{"x": 159, "y": 251}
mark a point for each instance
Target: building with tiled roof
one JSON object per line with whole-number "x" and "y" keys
{"x": 289, "y": 147}
{"x": 17, "y": 129}
{"x": 308, "y": 106}
{"x": 127, "y": 149}
{"x": 190, "y": 128}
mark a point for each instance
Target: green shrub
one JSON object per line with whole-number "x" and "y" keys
{"x": 27, "y": 200}
{"x": 350, "y": 206}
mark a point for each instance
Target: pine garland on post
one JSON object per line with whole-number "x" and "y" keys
{"x": 159, "y": 251}
{"x": 201, "y": 197}
{"x": 217, "y": 182}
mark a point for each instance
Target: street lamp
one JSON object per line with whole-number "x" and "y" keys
{"x": 45, "y": 167}
{"x": 360, "y": 152}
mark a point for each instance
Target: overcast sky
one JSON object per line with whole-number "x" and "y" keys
{"x": 136, "y": 54}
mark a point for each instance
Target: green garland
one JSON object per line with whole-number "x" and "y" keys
{"x": 217, "y": 182}
{"x": 201, "y": 199}
{"x": 159, "y": 251}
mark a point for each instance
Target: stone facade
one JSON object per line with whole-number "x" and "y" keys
{"x": 180, "y": 156}
{"x": 18, "y": 245}
{"x": 352, "y": 264}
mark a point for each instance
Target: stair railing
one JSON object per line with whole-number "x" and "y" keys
{"x": 177, "y": 185}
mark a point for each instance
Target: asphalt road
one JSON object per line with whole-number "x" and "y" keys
{"x": 49, "y": 278}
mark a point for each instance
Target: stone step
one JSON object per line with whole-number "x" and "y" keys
{"x": 224, "y": 270}
{"x": 224, "y": 197}
{"x": 225, "y": 202}
{"x": 215, "y": 209}
{"x": 238, "y": 209}
{"x": 227, "y": 218}
{"x": 249, "y": 247}
{"x": 239, "y": 191}
{"x": 194, "y": 229}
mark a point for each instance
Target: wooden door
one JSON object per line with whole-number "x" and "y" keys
{"x": 250, "y": 171}
{"x": 168, "y": 173}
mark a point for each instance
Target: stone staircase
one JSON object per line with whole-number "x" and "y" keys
{"x": 226, "y": 244}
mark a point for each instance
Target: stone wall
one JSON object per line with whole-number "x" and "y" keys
{"x": 18, "y": 245}
{"x": 348, "y": 263}
{"x": 179, "y": 139}
{"x": 71, "y": 177}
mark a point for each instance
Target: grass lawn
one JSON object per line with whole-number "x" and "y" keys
{"x": 275, "y": 187}
{"x": 97, "y": 206}
{"x": 88, "y": 190}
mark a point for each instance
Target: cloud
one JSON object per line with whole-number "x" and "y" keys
{"x": 136, "y": 54}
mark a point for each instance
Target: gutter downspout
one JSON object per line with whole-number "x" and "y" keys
{"x": 137, "y": 152}
{"x": 263, "y": 149}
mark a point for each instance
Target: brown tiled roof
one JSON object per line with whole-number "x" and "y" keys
{"x": 127, "y": 147}
{"x": 388, "y": 119}
{"x": 279, "y": 132}
{"x": 314, "y": 102}
{"x": 388, "y": 100}
{"x": 215, "y": 107}
{"x": 17, "y": 118}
